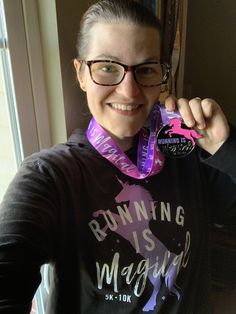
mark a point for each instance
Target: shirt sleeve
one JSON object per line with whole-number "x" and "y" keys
{"x": 27, "y": 235}
{"x": 220, "y": 170}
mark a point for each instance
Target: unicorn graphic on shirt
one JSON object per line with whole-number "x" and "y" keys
{"x": 136, "y": 195}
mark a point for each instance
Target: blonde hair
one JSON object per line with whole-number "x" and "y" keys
{"x": 113, "y": 11}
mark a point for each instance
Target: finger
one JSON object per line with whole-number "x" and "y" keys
{"x": 186, "y": 112}
{"x": 171, "y": 103}
{"x": 208, "y": 106}
{"x": 195, "y": 105}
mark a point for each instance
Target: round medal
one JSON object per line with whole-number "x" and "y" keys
{"x": 176, "y": 139}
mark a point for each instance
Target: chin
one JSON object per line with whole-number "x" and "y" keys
{"x": 122, "y": 132}
{"x": 123, "y": 135}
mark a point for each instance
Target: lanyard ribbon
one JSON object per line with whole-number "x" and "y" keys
{"x": 150, "y": 159}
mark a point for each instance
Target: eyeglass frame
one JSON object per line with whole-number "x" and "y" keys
{"x": 128, "y": 68}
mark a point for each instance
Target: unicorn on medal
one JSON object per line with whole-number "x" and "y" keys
{"x": 176, "y": 128}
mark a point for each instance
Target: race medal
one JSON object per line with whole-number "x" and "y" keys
{"x": 175, "y": 139}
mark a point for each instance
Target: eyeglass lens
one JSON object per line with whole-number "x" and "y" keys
{"x": 107, "y": 73}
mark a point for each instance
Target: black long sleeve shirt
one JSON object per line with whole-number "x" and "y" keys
{"x": 115, "y": 244}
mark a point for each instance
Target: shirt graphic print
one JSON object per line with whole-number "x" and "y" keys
{"x": 131, "y": 221}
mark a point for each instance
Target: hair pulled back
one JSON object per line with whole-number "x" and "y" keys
{"x": 111, "y": 12}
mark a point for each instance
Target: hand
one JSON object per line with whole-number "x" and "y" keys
{"x": 206, "y": 117}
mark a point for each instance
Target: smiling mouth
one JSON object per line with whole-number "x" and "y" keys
{"x": 122, "y": 107}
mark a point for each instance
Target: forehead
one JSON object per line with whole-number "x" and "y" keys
{"x": 127, "y": 43}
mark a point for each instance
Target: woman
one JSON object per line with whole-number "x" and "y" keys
{"x": 123, "y": 233}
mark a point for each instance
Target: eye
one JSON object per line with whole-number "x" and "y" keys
{"x": 146, "y": 70}
{"x": 108, "y": 68}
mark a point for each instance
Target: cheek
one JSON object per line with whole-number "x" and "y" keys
{"x": 94, "y": 93}
{"x": 97, "y": 94}
{"x": 95, "y": 98}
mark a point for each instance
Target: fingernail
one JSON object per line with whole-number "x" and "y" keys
{"x": 202, "y": 125}
{"x": 190, "y": 123}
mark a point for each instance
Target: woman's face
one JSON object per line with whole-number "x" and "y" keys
{"x": 122, "y": 109}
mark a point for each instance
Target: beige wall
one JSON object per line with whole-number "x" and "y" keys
{"x": 210, "y": 65}
{"x": 52, "y": 69}
{"x": 68, "y": 17}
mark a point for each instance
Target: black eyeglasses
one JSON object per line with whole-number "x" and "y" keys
{"x": 110, "y": 73}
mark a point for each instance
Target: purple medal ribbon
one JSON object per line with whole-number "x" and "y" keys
{"x": 150, "y": 159}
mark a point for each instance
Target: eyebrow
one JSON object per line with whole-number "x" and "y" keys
{"x": 113, "y": 58}
{"x": 109, "y": 57}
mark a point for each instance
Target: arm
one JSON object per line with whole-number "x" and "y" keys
{"x": 218, "y": 151}
{"x": 221, "y": 181}
{"x": 26, "y": 237}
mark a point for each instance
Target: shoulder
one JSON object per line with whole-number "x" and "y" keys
{"x": 67, "y": 159}
{"x": 54, "y": 157}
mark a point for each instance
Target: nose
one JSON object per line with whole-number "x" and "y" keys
{"x": 128, "y": 87}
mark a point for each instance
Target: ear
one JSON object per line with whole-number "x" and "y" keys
{"x": 80, "y": 74}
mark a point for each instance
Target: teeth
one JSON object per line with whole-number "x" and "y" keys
{"x": 124, "y": 107}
